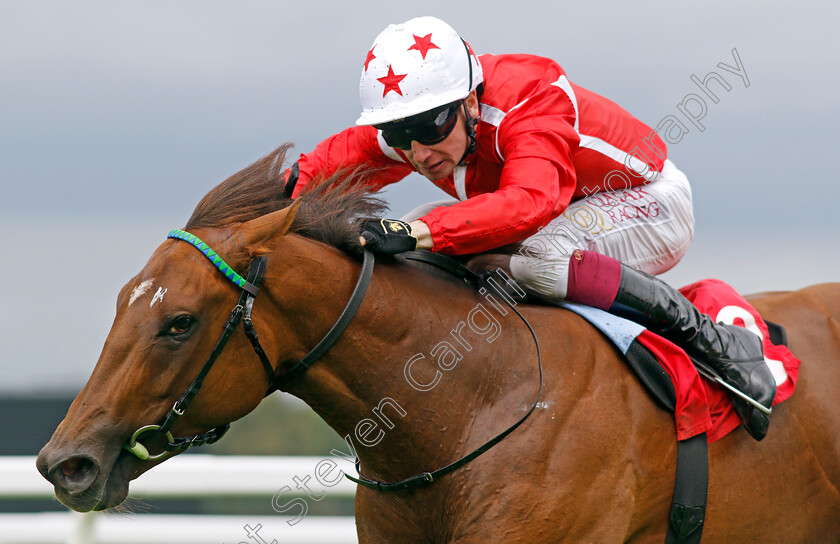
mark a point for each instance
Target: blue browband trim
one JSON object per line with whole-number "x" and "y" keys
{"x": 214, "y": 258}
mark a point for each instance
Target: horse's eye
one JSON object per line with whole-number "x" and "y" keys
{"x": 180, "y": 325}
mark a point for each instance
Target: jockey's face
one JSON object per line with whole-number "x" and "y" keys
{"x": 437, "y": 161}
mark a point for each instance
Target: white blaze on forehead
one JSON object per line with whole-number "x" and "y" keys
{"x": 140, "y": 290}
{"x": 158, "y": 296}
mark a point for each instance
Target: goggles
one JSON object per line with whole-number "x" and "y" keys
{"x": 427, "y": 128}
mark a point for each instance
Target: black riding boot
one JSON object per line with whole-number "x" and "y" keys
{"x": 733, "y": 352}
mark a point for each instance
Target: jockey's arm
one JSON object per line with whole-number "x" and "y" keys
{"x": 532, "y": 191}
{"x": 536, "y": 184}
{"x": 350, "y": 149}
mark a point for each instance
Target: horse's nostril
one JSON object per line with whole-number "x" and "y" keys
{"x": 72, "y": 466}
{"x": 77, "y": 469}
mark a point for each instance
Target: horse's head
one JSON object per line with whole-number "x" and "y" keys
{"x": 168, "y": 319}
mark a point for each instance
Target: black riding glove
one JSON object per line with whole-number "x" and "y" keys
{"x": 388, "y": 236}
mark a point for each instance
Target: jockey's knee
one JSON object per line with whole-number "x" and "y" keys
{"x": 546, "y": 275}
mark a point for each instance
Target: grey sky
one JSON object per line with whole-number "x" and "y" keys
{"x": 116, "y": 117}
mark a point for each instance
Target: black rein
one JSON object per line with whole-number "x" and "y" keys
{"x": 242, "y": 313}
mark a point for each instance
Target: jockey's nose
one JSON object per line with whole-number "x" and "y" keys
{"x": 420, "y": 151}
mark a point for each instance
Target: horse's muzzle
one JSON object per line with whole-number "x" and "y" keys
{"x": 74, "y": 475}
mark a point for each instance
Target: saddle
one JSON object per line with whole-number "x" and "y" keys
{"x": 703, "y": 411}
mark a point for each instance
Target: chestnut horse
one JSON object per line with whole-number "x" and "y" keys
{"x": 594, "y": 462}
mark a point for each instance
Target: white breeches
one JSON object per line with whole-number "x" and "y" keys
{"x": 648, "y": 227}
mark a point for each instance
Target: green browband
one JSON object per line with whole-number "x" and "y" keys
{"x": 208, "y": 252}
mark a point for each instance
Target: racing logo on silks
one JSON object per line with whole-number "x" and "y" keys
{"x": 395, "y": 226}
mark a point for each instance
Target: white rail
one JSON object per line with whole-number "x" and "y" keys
{"x": 187, "y": 476}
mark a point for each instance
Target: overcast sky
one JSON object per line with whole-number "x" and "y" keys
{"x": 116, "y": 117}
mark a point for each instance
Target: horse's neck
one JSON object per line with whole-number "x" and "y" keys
{"x": 410, "y": 370}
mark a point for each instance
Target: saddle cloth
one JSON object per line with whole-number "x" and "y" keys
{"x": 700, "y": 405}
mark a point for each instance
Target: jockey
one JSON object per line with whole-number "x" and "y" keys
{"x": 583, "y": 186}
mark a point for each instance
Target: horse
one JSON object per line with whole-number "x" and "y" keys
{"x": 593, "y": 463}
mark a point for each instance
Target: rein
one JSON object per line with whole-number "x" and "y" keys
{"x": 424, "y": 478}
{"x": 242, "y": 313}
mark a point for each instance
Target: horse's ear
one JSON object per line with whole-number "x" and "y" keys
{"x": 258, "y": 232}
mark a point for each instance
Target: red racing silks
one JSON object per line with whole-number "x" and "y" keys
{"x": 542, "y": 142}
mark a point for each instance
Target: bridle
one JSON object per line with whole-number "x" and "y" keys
{"x": 242, "y": 313}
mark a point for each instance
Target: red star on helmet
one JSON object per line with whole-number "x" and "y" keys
{"x": 370, "y": 57}
{"x": 391, "y": 82}
{"x": 423, "y": 44}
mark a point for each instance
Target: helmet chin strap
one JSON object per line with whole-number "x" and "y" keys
{"x": 470, "y": 124}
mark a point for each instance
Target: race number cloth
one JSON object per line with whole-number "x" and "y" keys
{"x": 701, "y": 405}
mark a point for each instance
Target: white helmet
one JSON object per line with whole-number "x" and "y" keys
{"x": 413, "y": 68}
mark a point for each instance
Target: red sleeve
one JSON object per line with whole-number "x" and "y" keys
{"x": 536, "y": 185}
{"x": 351, "y": 148}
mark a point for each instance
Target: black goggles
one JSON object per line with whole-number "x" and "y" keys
{"x": 427, "y": 128}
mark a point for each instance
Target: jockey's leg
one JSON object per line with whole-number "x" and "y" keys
{"x": 648, "y": 229}
{"x": 735, "y": 353}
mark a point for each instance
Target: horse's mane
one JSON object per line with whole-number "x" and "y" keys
{"x": 330, "y": 209}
